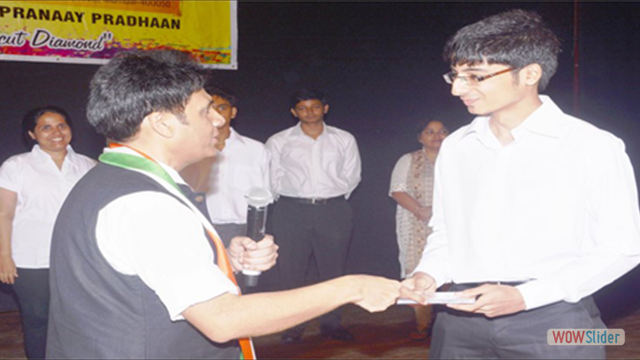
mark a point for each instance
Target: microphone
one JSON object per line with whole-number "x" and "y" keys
{"x": 258, "y": 199}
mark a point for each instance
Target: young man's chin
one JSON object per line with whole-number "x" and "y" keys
{"x": 477, "y": 111}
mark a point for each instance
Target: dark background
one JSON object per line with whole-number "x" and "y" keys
{"x": 380, "y": 65}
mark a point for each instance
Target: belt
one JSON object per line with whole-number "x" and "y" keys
{"x": 472, "y": 285}
{"x": 313, "y": 201}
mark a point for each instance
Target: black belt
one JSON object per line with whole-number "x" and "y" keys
{"x": 313, "y": 201}
{"x": 472, "y": 285}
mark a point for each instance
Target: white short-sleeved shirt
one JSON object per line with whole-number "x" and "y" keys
{"x": 41, "y": 188}
{"x": 154, "y": 236}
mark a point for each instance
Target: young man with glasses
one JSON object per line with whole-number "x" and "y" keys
{"x": 534, "y": 210}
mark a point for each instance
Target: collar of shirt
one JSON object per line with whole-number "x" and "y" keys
{"x": 171, "y": 171}
{"x": 44, "y": 157}
{"x": 233, "y": 139}
{"x": 543, "y": 121}
{"x": 297, "y": 131}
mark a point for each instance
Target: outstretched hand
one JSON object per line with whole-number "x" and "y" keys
{"x": 376, "y": 293}
{"x": 246, "y": 254}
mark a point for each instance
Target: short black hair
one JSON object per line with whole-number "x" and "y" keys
{"x": 307, "y": 94}
{"x": 222, "y": 92}
{"x": 516, "y": 38}
{"x": 30, "y": 121}
{"x": 136, "y": 83}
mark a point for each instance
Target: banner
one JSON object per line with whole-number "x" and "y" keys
{"x": 92, "y": 32}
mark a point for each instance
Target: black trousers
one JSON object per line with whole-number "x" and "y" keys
{"x": 461, "y": 335}
{"x": 32, "y": 290}
{"x": 313, "y": 242}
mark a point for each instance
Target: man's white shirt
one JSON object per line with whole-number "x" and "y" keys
{"x": 326, "y": 167}
{"x": 558, "y": 207}
{"x": 240, "y": 166}
{"x": 154, "y": 236}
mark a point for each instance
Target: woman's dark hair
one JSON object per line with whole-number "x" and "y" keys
{"x": 30, "y": 121}
{"x": 422, "y": 124}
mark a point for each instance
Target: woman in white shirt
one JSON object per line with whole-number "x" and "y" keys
{"x": 412, "y": 188}
{"x": 33, "y": 186}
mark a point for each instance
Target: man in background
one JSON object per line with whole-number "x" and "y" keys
{"x": 314, "y": 168}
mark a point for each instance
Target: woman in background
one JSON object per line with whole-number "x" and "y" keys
{"x": 412, "y": 188}
{"x": 33, "y": 186}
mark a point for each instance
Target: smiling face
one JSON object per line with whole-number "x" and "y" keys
{"x": 494, "y": 95}
{"x": 432, "y": 136}
{"x": 52, "y": 133}
{"x": 310, "y": 111}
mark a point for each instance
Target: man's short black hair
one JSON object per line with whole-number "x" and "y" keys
{"x": 222, "y": 92}
{"x": 136, "y": 83}
{"x": 307, "y": 94}
{"x": 30, "y": 121}
{"x": 516, "y": 38}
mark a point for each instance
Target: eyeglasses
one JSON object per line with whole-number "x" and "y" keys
{"x": 472, "y": 80}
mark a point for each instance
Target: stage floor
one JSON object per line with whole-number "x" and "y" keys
{"x": 381, "y": 335}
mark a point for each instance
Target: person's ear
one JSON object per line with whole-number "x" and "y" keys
{"x": 234, "y": 112}
{"x": 293, "y": 112}
{"x": 326, "y": 109}
{"x": 161, "y": 123}
{"x": 531, "y": 74}
{"x": 32, "y": 135}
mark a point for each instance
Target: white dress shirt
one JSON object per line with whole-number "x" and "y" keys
{"x": 154, "y": 236}
{"x": 557, "y": 207}
{"x": 41, "y": 189}
{"x": 326, "y": 167}
{"x": 240, "y": 166}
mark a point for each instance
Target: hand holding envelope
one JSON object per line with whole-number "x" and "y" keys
{"x": 421, "y": 289}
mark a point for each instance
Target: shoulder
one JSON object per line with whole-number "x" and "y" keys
{"x": 279, "y": 138}
{"x": 339, "y": 132}
{"x": 588, "y": 134}
{"x": 342, "y": 137}
{"x": 404, "y": 160}
{"x": 16, "y": 161}
{"x": 147, "y": 202}
{"x": 252, "y": 143}
{"x": 86, "y": 161}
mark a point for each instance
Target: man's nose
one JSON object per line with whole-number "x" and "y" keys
{"x": 459, "y": 87}
{"x": 218, "y": 120}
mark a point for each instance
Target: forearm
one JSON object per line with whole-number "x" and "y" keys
{"x": 581, "y": 278}
{"x": 6, "y": 225}
{"x": 406, "y": 201}
{"x": 230, "y": 317}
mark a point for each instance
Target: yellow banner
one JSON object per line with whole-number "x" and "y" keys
{"x": 94, "y": 31}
